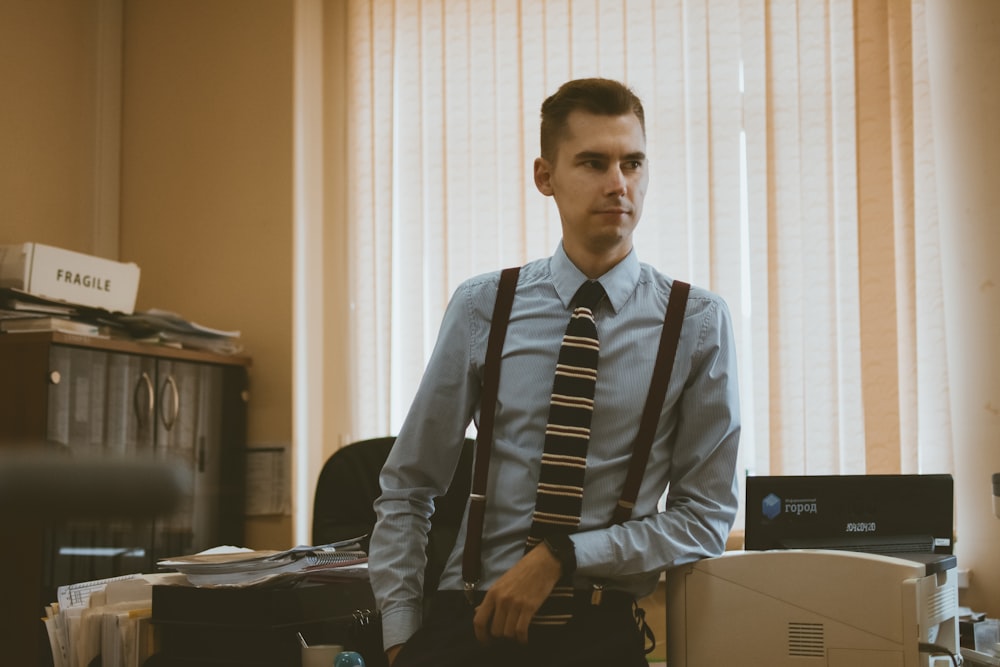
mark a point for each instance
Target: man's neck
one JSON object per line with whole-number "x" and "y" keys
{"x": 595, "y": 264}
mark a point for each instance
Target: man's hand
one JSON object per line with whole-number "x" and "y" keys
{"x": 511, "y": 602}
{"x": 392, "y": 652}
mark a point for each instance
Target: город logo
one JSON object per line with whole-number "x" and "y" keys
{"x": 771, "y": 506}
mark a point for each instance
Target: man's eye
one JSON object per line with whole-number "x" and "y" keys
{"x": 632, "y": 165}
{"x": 593, "y": 164}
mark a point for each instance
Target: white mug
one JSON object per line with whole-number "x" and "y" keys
{"x": 320, "y": 655}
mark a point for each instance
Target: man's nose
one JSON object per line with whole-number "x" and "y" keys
{"x": 616, "y": 182}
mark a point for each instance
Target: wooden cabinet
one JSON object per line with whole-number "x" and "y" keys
{"x": 96, "y": 397}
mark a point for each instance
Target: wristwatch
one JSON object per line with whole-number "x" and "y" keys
{"x": 561, "y": 546}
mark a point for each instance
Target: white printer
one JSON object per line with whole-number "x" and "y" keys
{"x": 802, "y": 607}
{"x": 840, "y": 571}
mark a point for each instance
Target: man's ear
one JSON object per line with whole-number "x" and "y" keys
{"x": 543, "y": 176}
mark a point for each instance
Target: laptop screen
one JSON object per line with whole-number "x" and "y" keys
{"x": 883, "y": 514}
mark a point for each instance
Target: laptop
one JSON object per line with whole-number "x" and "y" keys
{"x": 883, "y": 514}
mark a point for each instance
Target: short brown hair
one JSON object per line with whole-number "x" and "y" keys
{"x": 602, "y": 97}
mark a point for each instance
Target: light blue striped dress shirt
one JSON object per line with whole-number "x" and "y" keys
{"x": 694, "y": 451}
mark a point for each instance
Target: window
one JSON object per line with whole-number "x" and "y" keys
{"x": 784, "y": 142}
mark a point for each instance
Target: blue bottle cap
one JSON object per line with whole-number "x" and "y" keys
{"x": 348, "y": 659}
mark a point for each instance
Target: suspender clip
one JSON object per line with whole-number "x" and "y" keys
{"x": 597, "y": 594}
{"x": 470, "y": 592}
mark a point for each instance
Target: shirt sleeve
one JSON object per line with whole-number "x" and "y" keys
{"x": 420, "y": 467}
{"x": 702, "y": 496}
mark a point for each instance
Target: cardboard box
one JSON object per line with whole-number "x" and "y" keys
{"x": 73, "y": 277}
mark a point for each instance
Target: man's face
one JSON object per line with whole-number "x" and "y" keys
{"x": 598, "y": 179}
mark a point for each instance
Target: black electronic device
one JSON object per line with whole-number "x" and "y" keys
{"x": 885, "y": 514}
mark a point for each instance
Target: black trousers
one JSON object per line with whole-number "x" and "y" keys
{"x": 611, "y": 633}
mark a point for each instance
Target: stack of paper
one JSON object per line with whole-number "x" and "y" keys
{"x": 108, "y": 618}
{"x": 55, "y": 323}
{"x": 23, "y": 311}
{"x": 15, "y": 303}
{"x": 169, "y": 328}
{"x": 235, "y": 566}
{"x": 20, "y": 311}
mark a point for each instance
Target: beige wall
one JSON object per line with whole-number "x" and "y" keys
{"x": 206, "y": 207}
{"x": 48, "y": 63}
{"x": 338, "y": 423}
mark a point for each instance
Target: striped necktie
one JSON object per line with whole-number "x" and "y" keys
{"x": 564, "y": 459}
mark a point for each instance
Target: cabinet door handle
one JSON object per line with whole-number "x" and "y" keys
{"x": 138, "y": 404}
{"x": 169, "y": 409}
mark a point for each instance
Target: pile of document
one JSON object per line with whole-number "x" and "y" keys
{"x": 22, "y": 311}
{"x": 108, "y": 618}
{"x": 162, "y": 326}
{"x": 235, "y": 566}
{"x": 112, "y": 618}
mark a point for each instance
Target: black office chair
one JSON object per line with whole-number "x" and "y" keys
{"x": 348, "y": 486}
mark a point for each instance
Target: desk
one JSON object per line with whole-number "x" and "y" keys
{"x": 256, "y": 627}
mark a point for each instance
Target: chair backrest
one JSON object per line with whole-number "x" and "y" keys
{"x": 348, "y": 486}
{"x": 345, "y": 490}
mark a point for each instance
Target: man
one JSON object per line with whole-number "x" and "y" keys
{"x": 593, "y": 164}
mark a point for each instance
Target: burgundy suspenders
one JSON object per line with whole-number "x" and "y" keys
{"x": 674, "y": 318}
{"x": 471, "y": 560}
{"x": 669, "y": 336}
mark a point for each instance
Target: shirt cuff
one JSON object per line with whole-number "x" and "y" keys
{"x": 593, "y": 552}
{"x": 398, "y": 625}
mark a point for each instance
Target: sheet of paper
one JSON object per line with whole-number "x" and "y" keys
{"x": 55, "y": 641}
{"x": 78, "y": 595}
{"x": 268, "y": 480}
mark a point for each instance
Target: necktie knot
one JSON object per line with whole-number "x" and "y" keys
{"x": 589, "y": 295}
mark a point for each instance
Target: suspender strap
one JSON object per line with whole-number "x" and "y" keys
{"x": 471, "y": 561}
{"x": 669, "y": 337}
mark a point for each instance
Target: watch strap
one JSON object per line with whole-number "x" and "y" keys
{"x": 562, "y": 547}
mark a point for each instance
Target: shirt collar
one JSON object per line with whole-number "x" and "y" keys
{"x": 619, "y": 283}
